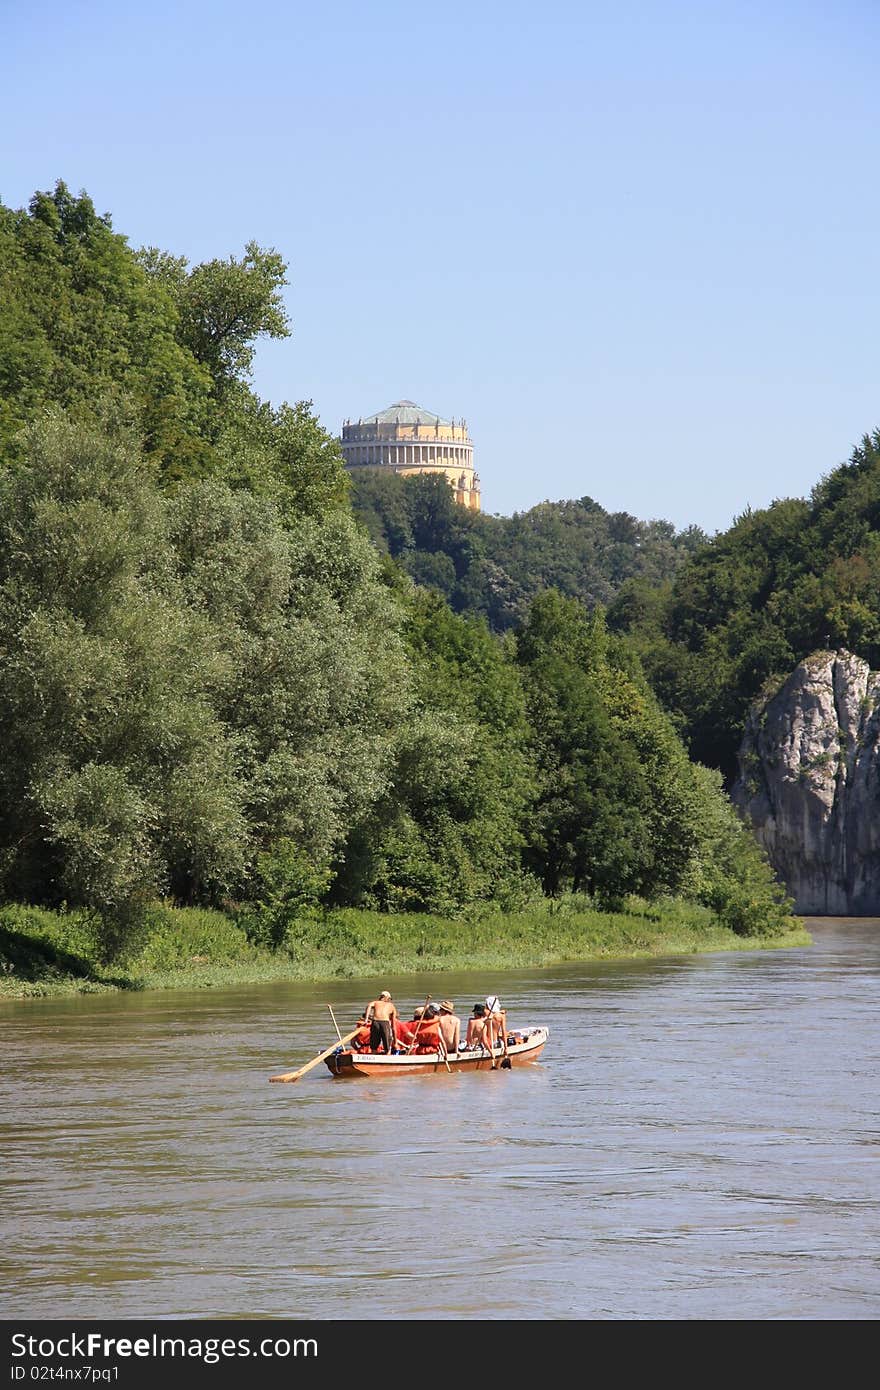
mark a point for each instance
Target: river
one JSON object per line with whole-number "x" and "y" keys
{"x": 701, "y": 1140}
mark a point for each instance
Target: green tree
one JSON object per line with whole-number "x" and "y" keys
{"x": 621, "y": 808}
{"x": 116, "y": 775}
{"x": 93, "y": 326}
{"x": 224, "y": 306}
{"x": 285, "y": 455}
{"x": 449, "y": 830}
{"x": 311, "y": 674}
{"x": 186, "y": 682}
{"x": 589, "y": 831}
{"x": 730, "y": 874}
{"x": 81, "y": 323}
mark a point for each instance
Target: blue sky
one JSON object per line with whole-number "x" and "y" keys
{"x": 633, "y": 244}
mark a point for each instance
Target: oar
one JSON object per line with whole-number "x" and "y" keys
{"x": 444, "y": 1054}
{"x": 295, "y": 1075}
{"x": 506, "y": 1063}
{"x": 418, "y": 1026}
{"x": 505, "y": 1060}
{"x": 484, "y": 1049}
{"x": 489, "y": 1031}
{"x": 335, "y": 1024}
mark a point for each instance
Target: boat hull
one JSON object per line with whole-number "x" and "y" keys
{"x": 345, "y": 1063}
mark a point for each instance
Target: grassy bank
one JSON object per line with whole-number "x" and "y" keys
{"x": 47, "y": 953}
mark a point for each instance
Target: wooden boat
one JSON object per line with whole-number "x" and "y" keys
{"x": 344, "y": 1062}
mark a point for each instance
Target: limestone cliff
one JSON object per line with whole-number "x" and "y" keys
{"x": 809, "y": 781}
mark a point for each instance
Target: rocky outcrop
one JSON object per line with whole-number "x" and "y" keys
{"x": 809, "y": 781}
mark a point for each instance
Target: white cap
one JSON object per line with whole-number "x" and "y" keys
{"x": 492, "y": 1003}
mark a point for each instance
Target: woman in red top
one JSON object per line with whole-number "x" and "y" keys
{"x": 428, "y": 1037}
{"x": 404, "y": 1029}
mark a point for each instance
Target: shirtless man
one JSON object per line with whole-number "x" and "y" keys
{"x": 381, "y": 1015}
{"x": 450, "y": 1026}
{"x": 476, "y": 1026}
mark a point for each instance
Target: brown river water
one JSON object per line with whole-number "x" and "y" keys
{"x": 701, "y": 1140}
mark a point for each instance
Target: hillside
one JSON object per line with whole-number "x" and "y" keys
{"x": 493, "y": 566}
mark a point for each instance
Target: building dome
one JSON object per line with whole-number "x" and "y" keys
{"x": 405, "y": 413}
{"x": 406, "y": 439}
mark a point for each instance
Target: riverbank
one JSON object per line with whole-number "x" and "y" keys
{"x": 49, "y": 953}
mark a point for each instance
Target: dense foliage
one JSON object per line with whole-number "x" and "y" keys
{"x": 215, "y": 689}
{"x": 185, "y": 681}
{"x": 493, "y": 566}
{"x": 782, "y": 582}
{"x": 449, "y": 828}
{"x": 620, "y": 808}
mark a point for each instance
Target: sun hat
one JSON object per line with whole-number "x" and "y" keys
{"x": 386, "y": 994}
{"x": 492, "y": 1003}
{"x": 447, "y": 1006}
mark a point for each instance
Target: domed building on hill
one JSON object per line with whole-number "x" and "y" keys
{"x": 407, "y": 439}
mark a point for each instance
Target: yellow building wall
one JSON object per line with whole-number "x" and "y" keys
{"x": 406, "y": 434}
{"x": 390, "y": 433}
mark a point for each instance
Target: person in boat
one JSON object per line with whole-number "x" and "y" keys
{"x": 494, "y": 1020}
{"x": 427, "y": 1039}
{"x": 450, "y": 1026}
{"x": 405, "y": 1029}
{"x": 381, "y": 1014}
{"x": 476, "y": 1026}
{"x": 402, "y": 1035}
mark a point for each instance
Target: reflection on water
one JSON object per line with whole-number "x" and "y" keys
{"x": 700, "y": 1140}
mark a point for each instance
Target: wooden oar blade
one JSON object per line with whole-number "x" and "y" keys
{"x": 295, "y": 1075}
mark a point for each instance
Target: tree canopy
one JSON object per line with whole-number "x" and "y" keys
{"x": 97, "y": 328}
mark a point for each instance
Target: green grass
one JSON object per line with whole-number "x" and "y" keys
{"x": 52, "y": 953}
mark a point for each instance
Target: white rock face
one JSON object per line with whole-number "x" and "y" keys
{"x": 809, "y": 781}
